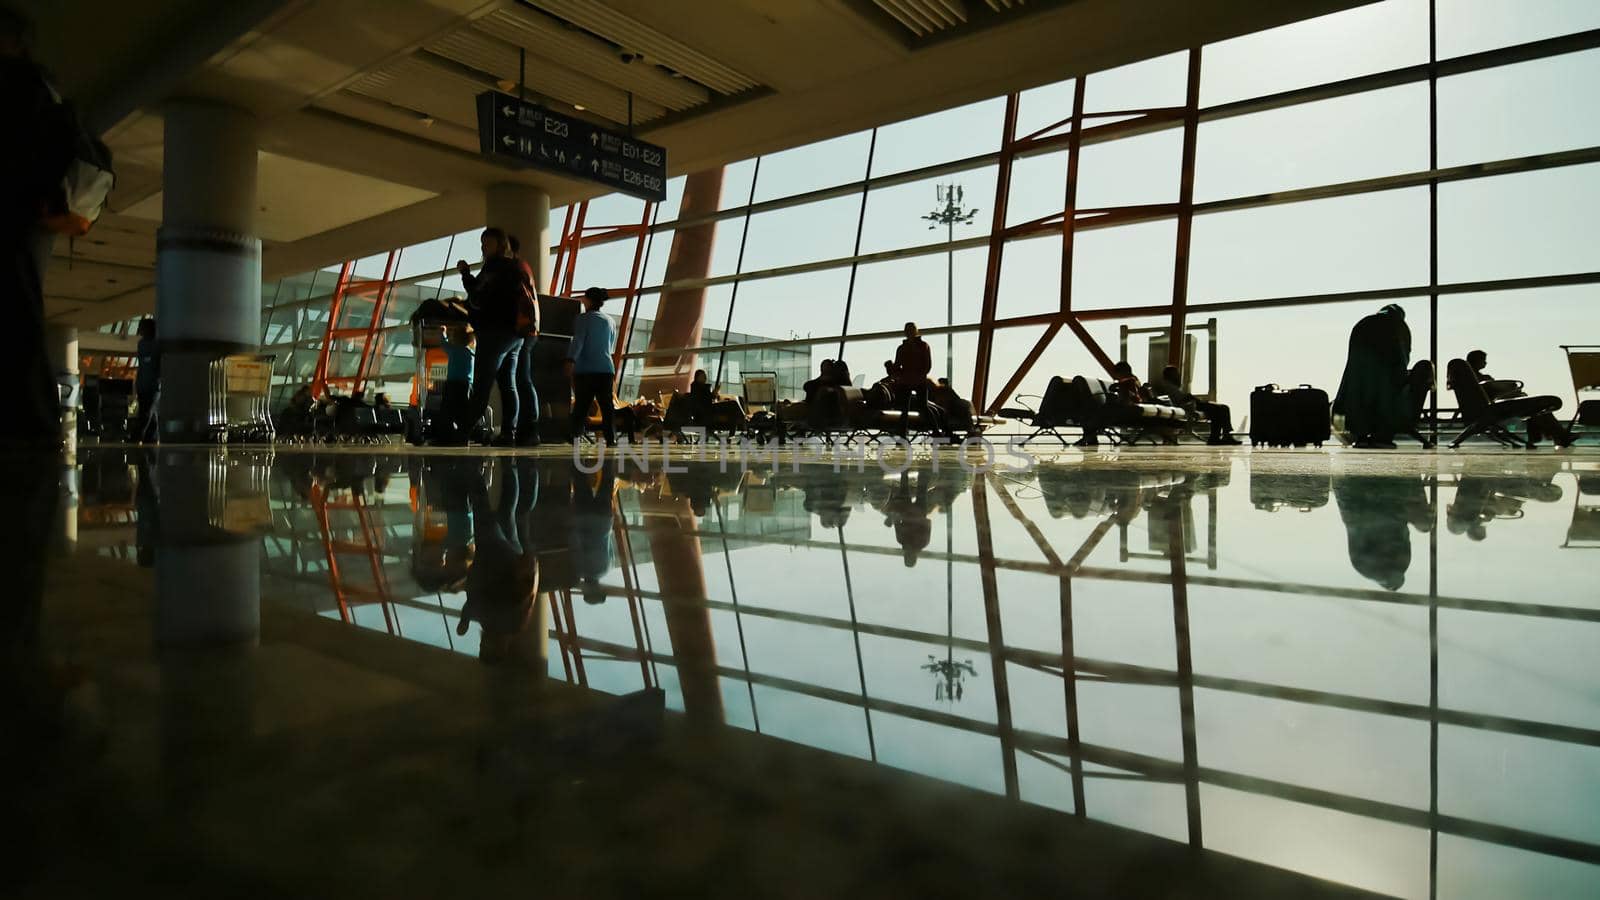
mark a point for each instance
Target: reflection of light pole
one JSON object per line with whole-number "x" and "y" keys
{"x": 948, "y": 213}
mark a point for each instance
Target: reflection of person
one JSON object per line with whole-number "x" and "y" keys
{"x": 908, "y": 512}
{"x": 1480, "y": 500}
{"x": 440, "y": 562}
{"x": 592, "y": 499}
{"x": 1377, "y": 396}
{"x": 503, "y": 581}
{"x": 1375, "y": 511}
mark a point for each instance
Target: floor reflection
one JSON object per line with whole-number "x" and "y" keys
{"x": 1153, "y": 641}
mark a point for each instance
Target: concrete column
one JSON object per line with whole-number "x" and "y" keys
{"x": 525, "y": 212}
{"x": 678, "y": 316}
{"x": 61, "y": 347}
{"x": 208, "y": 258}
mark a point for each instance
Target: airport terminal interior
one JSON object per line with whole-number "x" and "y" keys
{"x": 1184, "y": 547}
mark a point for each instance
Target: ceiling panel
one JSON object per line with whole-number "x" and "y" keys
{"x": 542, "y": 35}
{"x": 630, "y": 34}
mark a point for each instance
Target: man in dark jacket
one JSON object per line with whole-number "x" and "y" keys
{"x": 32, "y": 158}
{"x": 147, "y": 380}
{"x": 492, "y": 297}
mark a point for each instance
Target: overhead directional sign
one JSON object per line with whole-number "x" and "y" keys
{"x": 528, "y": 134}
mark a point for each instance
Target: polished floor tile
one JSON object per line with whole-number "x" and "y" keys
{"x": 1200, "y": 672}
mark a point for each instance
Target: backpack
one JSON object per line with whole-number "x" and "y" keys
{"x": 72, "y": 206}
{"x": 527, "y": 324}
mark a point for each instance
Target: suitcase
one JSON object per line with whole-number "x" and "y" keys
{"x": 1292, "y": 418}
{"x": 1271, "y": 492}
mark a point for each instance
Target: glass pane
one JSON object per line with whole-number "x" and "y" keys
{"x": 895, "y": 214}
{"x": 1359, "y": 41}
{"x": 1364, "y": 135}
{"x": 1535, "y": 223}
{"x": 1149, "y": 83}
{"x": 964, "y": 131}
{"x": 813, "y": 166}
{"x": 1468, "y": 26}
{"x": 1131, "y": 171}
{"x": 1342, "y": 244}
{"x": 1533, "y": 107}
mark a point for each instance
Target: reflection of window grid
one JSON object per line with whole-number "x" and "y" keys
{"x": 1086, "y": 763}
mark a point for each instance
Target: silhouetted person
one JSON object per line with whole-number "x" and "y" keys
{"x": 1481, "y": 499}
{"x": 147, "y": 381}
{"x": 824, "y": 377}
{"x": 1218, "y": 414}
{"x": 33, "y": 156}
{"x": 527, "y": 423}
{"x": 912, "y": 363}
{"x": 493, "y": 295}
{"x": 701, "y": 398}
{"x": 841, "y": 374}
{"x": 1540, "y": 427}
{"x": 589, "y": 365}
{"x": 1377, "y": 396}
{"x": 1375, "y": 511}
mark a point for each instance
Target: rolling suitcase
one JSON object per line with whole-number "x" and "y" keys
{"x": 1292, "y": 418}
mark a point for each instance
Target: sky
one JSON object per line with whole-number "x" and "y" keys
{"x": 1489, "y": 228}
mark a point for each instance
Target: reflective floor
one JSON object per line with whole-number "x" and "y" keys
{"x": 1146, "y": 673}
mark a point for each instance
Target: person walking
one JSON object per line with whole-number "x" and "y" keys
{"x": 147, "y": 381}
{"x": 492, "y": 298}
{"x": 589, "y": 366}
{"x": 31, "y": 162}
{"x": 528, "y": 327}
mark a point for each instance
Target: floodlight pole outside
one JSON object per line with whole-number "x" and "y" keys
{"x": 949, "y": 213}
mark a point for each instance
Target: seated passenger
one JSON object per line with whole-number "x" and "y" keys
{"x": 882, "y": 392}
{"x": 1542, "y": 426}
{"x": 1494, "y": 388}
{"x": 700, "y": 398}
{"x": 1127, "y": 387}
{"x": 825, "y": 376}
{"x": 1220, "y": 417}
{"x": 381, "y": 402}
{"x": 841, "y": 374}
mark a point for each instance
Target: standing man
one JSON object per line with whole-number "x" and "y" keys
{"x": 528, "y": 327}
{"x": 589, "y": 366}
{"x": 912, "y": 363}
{"x": 492, "y": 297}
{"x": 148, "y": 379}
{"x": 32, "y": 158}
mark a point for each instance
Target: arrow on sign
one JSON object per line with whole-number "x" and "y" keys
{"x": 593, "y": 138}
{"x": 507, "y": 111}
{"x": 594, "y": 166}
{"x": 509, "y": 141}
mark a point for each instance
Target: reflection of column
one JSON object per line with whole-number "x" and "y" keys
{"x": 208, "y": 258}
{"x": 207, "y": 621}
{"x": 997, "y": 643}
{"x": 675, "y": 551}
{"x": 208, "y": 580}
{"x": 678, "y": 315}
{"x": 1180, "y": 625}
{"x": 1069, "y": 678}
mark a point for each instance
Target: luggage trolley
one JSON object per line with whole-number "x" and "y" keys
{"x": 241, "y": 387}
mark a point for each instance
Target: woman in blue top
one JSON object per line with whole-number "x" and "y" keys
{"x": 589, "y": 365}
